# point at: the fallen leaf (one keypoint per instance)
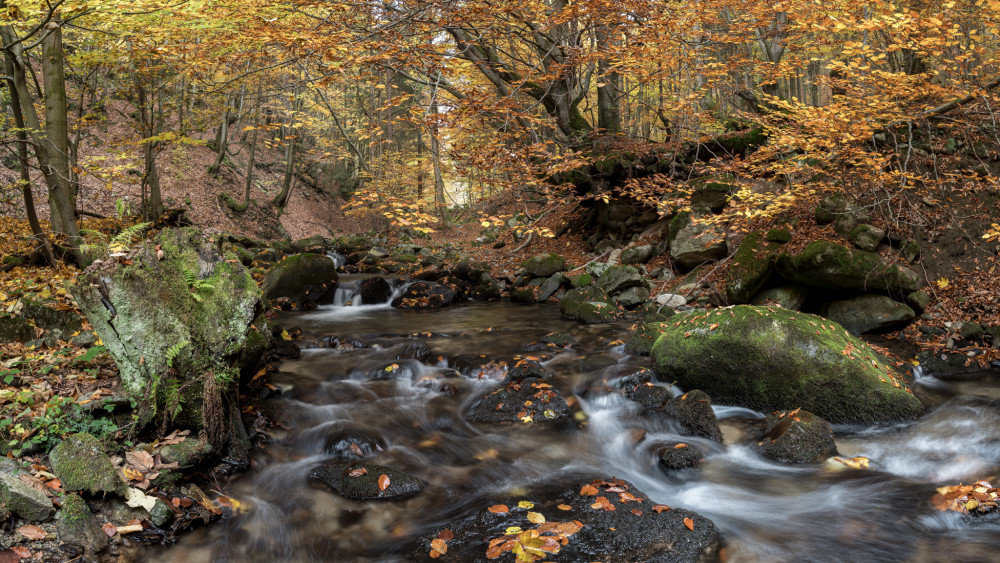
(439, 545)
(109, 529)
(21, 552)
(536, 518)
(689, 523)
(564, 507)
(588, 491)
(357, 472)
(526, 504)
(32, 532)
(383, 482)
(9, 556)
(499, 509)
(658, 508)
(446, 534)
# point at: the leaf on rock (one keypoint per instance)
(383, 482)
(33, 533)
(658, 508)
(536, 518)
(588, 491)
(499, 509)
(357, 472)
(689, 523)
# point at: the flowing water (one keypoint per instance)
(765, 510)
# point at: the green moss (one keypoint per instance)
(828, 265)
(752, 264)
(583, 280)
(677, 224)
(768, 359)
(780, 236)
(82, 465)
(641, 343)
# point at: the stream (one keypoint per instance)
(766, 511)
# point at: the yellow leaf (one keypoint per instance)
(285, 335)
(513, 530)
(526, 504)
(536, 518)
(943, 283)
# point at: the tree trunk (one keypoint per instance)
(230, 202)
(62, 200)
(608, 90)
(439, 203)
(222, 141)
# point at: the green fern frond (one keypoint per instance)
(173, 351)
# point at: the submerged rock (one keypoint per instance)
(676, 457)
(771, 359)
(796, 436)
(367, 481)
(425, 295)
(639, 387)
(599, 520)
(352, 442)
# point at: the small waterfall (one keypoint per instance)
(338, 259)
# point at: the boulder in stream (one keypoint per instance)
(600, 520)
(305, 279)
(375, 290)
(524, 402)
(796, 436)
(425, 295)
(367, 481)
(678, 456)
(589, 305)
(772, 359)
(693, 410)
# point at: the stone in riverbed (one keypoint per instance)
(693, 410)
(544, 265)
(867, 313)
(590, 305)
(678, 456)
(352, 442)
(361, 481)
(752, 264)
(521, 402)
(770, 359)
(796, 436)
(425, 295)
(375, 290)
(17, 497)
(619, 524)
(639, 387)
(306, 279)
(75, 524)
(790, 297)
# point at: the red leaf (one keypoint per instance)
(383, 482)
(689, 523)
(446, 534)
(32, 532)
(499, 509)
(658, 508)
(359, 472)
(21, 552)
(109, 529)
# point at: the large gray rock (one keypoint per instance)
(790, 297)
(638, 254)
(544, 265)
(828, 265)
(177, 318)
(619, 278)
(17, 497)
(866, 313)
(75, 524)
(81, 464)
(15, 329)
(693, 243)
(50, 318)
(589, 305)
(771, 359)
(306, 279)
(866, 237)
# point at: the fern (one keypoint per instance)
(173, 351)
(122, 240)
(172, 398)
(195, 284)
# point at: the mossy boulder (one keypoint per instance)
(50, 318)
(75, 524)
(866, 237)
(15, 329)
(641, 343)
(305, 279)
(830, 208)
(693, 242)
(779, 235)
(17, 497)
(589, 305)
(544, 265)
(364, 481)
(796, 436)
(81, 464)
(771, 359)
(713, 192)
(619, 278)
(790, 297)
(315, 243)
(867, 313)
(828, 265)
(638, 254)
(752, 264)
(176, 316)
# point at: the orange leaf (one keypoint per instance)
(564, 507)
(446, 534)
(32, 532)
(359, 472)
(588, 491)
(689, 523)
(658, 508)
(21, 552)
(109, 529)
(439, 545)
(499, 509)
(383, 482)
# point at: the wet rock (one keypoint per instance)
(425, 295)
(544, 265)
(770, 359)
(416, 350)
(866, 237)
(524, 294)
(529, 369)
(867, 313)
(790, 297)
(375, 290)
(693, 410)
(17, 497)
(81, 464)
(559, 339)
(15, 329)
(919, 300)
(550, 286)
(314, 243)
(361, 481)
(679, 456)
(590, 305)
(632, 297)
(191, 451)
(528, 402)
(582, 280)
(752, 264)
(952, 366)
(828, 265)
(471, 271)
(352, 442)
(693, 243)
(619, 524)
(75, 524)
(971, 331)
(638, 254)
(305, 279)
(796, 436)
(486, 289)
(639, 387)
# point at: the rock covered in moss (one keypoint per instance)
(751, 266)
(77, 525)
(616, 279)
(828, 265)
(771, 359)
(641, 343)
(81, 464)
(544, 265)
(693, 243)
(17, 497)
(181, 305)
(830, 208)
(521, 402)
(50, 318)
(790, 297)
(367, 481)
(638, 254)
(15, 329)
(867, 313)
(866, 237)
(796, 436)
(779, 235)
(306, 279)
(693, 410)
(589, 305)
